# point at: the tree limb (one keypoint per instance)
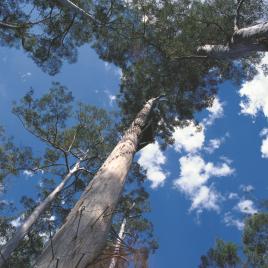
(78, 9)
(236, 20)
(244, 42)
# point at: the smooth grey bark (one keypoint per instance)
(244, 41)
(83, 236)
(121, 236)
(119, 239)
(22, 230)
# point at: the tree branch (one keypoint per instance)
(81, 11)
(236, 20)
(244, 42)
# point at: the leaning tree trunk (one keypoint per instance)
(24, 229)
(83, 236)
(244, 41)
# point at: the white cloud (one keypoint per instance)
(246, 188)
(206, 198)
(107, 66)
(110, 67)
(28, 173)
(255, 100)
(110, 96)
(194, 175)
(118, 72)
(213, 145)
(18, 221)
(189, 138)
(233, 196)
(151, 158)
(25, 76)
(255, 94)
(229, 220)
(216, 111)
(264, 145)
(246, 207)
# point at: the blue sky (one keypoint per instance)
(201, 188)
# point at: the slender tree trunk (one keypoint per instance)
(244, 41)
(120, 238)
(83, 236)
(21, 231)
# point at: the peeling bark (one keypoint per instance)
(244, 42)
(83, 236)
(23, 230)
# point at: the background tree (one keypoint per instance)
(227, 254)
(255, 240)
(67, 137)
(73, 151)
(223, 255)
(161, 57)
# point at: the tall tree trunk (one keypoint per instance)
(13, 243)
(83, 236)
(244, 41)
(119, 240)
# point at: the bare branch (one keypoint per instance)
(237, 16)
(78, 9)
(86, 170)
(25, 24)
(73, 140)
(11, 25)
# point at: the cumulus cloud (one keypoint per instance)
(215, 112)
(151, 159)
(246, 206)
(229, 220)
(28, 173)
(264, 145)
(206, 198)
(194, 175)
(255, 100)
(213, 145)
(255, 94)
(189, 138)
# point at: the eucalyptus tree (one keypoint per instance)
(252, 253)
(255, 240)
(131, 239)
(179, 49)
(136, 245)
(51, 31)
(166, 78)
(223, 255)
(76, 143)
